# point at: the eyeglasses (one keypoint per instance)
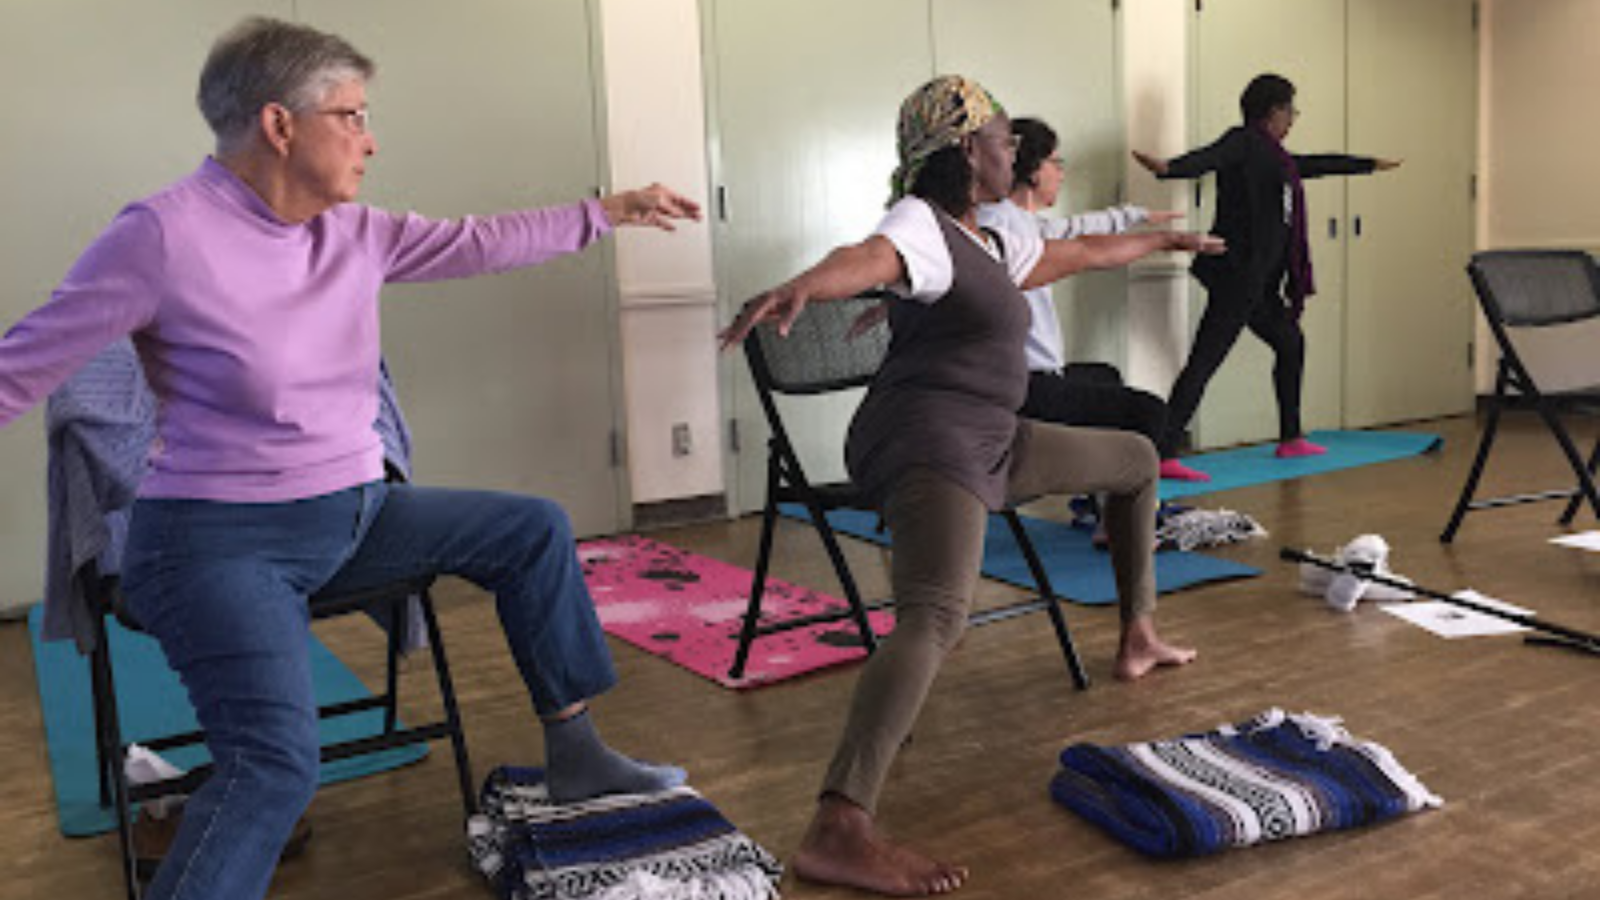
(1012, 142)
(358, 120)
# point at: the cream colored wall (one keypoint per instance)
(1539, 142)
(656, 123)
(1155, 86)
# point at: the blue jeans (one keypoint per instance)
(223, 588)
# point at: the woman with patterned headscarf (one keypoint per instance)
(937, 444)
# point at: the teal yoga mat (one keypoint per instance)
(1246, 466)
(153, 703)
(1077, 571)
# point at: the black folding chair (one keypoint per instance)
(817, 359)
(119, 793)
(1532, 289)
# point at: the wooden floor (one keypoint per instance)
(1504, 732)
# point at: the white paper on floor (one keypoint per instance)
(1450, 621)
(1586, 540)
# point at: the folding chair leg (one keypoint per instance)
(758, 582)
(1585, 488)
(1470, 488)
(858, 609)
(1047, 595)
(113, 758)
(399, 628)
(452, 711)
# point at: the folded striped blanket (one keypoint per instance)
(1272, 777)
(671, 845)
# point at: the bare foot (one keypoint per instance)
(844, 846)
(1142, 650)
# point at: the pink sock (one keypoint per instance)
(1299, 447)
(1177, 471)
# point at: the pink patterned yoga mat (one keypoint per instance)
(688, 608)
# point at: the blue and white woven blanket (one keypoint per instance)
(1275, 776)
(671, 845)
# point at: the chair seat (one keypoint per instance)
(402, 597)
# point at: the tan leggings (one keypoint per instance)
(938, 529)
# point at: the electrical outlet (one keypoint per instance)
(682, 440)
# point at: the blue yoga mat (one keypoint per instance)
(152, 703)
(1077, 571)
(1256, 465)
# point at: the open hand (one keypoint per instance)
(1154, 165)
(1198, 242)
(655, 206)
(779, 304)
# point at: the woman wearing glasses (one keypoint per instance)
(251, 291)
(1262, 282)
(1036, 186)
(937, 444)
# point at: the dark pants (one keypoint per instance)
(1087, 402)
(1229, 312)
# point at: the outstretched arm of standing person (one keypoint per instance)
(1318, 165)
(843, 273)
(1230, 149)
(1068, 257)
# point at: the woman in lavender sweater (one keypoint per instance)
(250, 289)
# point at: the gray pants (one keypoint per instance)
(938, 529)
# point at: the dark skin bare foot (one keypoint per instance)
(844, 846)
(1143, 650)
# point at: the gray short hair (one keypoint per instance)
(261, 61)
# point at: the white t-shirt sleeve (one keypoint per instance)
(1019, 236)
(911, 227)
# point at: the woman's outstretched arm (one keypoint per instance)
(843, 273)
(1068, 257)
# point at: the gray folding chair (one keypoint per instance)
(817, 359)
(1523, 289)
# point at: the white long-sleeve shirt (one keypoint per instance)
(1046, 346)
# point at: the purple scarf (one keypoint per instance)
(1301, 283)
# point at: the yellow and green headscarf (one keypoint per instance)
(937, 115)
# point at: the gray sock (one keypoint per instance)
(579, 765)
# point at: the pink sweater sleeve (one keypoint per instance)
(419, 249)
(112, 290)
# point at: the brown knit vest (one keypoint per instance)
(948, 392)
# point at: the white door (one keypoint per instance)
(804, 116)
(1409, 312)
(1303, 41)
(510, 381)
(1056, 60)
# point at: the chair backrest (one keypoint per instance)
(1536, 288)
(816, 357)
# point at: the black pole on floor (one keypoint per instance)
(1549, 632)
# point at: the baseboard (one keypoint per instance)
(679, 511)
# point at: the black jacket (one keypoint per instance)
(1250, 205)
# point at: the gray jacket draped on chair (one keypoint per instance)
(100, 425)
